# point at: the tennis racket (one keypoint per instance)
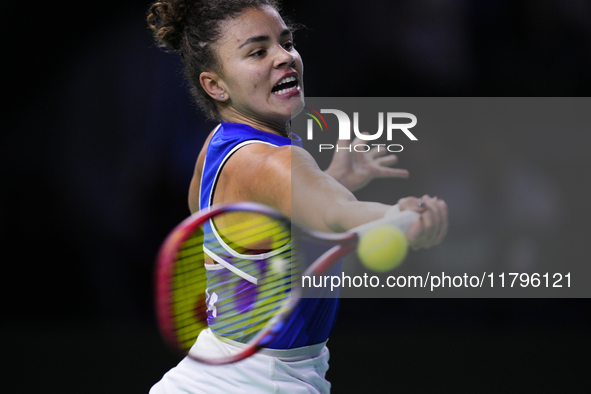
(235, 268)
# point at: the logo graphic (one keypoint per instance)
(390, 119)
(211, 300)
(314, 116)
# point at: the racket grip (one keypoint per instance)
(402, 220)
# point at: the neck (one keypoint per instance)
(274, 127)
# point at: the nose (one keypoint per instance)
(284, 58)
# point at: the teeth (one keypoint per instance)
(283, 91)
(286, 80)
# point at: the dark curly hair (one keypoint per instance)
(191, 28)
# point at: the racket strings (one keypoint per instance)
(244, 308)
(258, 235)
(188, 289)
(231, 306)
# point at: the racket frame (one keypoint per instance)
(344, 244)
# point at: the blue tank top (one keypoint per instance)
(314, 318)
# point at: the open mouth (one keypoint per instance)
(286, 85)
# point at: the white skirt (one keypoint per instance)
(291, 371)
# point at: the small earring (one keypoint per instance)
(221, 96)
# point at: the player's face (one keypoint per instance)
(261, 71)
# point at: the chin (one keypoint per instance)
(297, 105)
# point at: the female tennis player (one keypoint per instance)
(244, 71)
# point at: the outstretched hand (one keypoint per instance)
(354, 169)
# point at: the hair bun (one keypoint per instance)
(167, 21)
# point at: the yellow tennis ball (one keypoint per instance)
(382, 248)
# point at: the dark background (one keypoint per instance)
(99, 141)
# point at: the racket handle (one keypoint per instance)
(402, 220)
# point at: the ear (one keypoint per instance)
(213, 85)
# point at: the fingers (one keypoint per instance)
(386, 161)
(411, 203)
(377, 150)
(386, 172)
(431, 221)
(413, 234)
(384, 168)
(434, 221)
(355, 169)
(431, 227)
(443, 221)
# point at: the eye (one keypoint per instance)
(259, 53)
(289, 45)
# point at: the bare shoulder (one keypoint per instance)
(260, 173)
(261, 158)
(274, 160)
(256, 172)
(266, 159)
(267, 174)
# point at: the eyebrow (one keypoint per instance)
(250, 40)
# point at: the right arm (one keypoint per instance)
(288, 179)
(318, 201)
